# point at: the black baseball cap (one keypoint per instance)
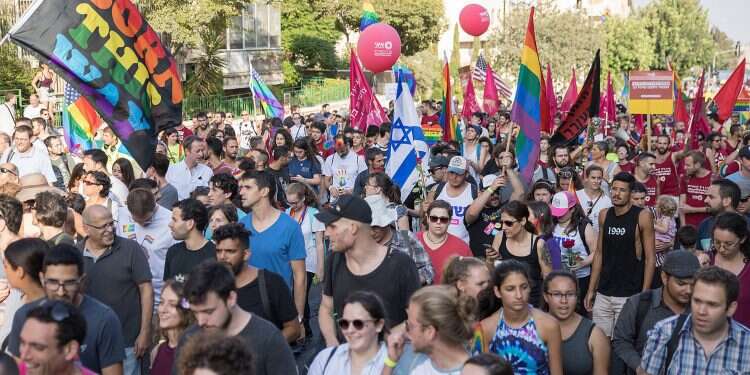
(347, 206)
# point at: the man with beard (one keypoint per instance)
(665, 170)
(693, 208)
(723, 196)
(231, 149)
(375, 163)
(484, 212)
(211, 292)
(61, 163)
(471, 150)
(259, 291)
(645, 309)
(560, 158)
(624, 259)
(592, 198)
(341, 168)
(644, 174)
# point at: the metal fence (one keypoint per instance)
(317, 91)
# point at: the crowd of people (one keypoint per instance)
(248, 243)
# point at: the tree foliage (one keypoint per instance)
(427, 69)
(15, 74)
(680, 29)
(308, 39)
(419, 22)
(726, 50)
(207, 77)
(627, 47)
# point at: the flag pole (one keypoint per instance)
(648, 132)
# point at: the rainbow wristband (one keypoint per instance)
(389, 362)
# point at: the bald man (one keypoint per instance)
(117, 274)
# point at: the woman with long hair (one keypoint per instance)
(585, 347)
(440, 245)
(541, 217)
(75, 178)
(175, 151)
(575, 239)
(123, 170)
(174, 318)
(731, 251)
(22, 264)
(517, 240)
(364, 325)
(304, 166)
(282, 138)
(468, 274)
(380, 184)
(526, 337)
(42, 82)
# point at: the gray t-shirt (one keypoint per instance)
(167, 196)
(103, 345)
(741, 181)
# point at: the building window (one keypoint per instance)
(259, 26)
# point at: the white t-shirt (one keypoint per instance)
(34, 160)
(156, 238)
(298, 131)
(7, 119)
(186, 180)
(344, 170)
(310, 225)
(592, 207)
(412, 363)
(578, 249)
(30, 111)
(459, 205)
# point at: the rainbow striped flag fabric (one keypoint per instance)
(80, 121)
(447, 121)
(530, 109)
(742, 106)
(432, 133)
(269, 103)
(369, 17)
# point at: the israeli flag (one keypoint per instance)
(407, 146)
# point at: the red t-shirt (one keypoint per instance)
(430, 119)
(184, 133)
(650, 191)
(695, 190)
(628, 167)
(666, 172)
(453, 246)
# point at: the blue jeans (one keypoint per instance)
(132, 364)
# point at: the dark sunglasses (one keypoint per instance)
(6, 170)
(441, 219)
(565, 174)
(358, 324)
(507, 223)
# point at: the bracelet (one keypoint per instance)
(491, 190)
(389, 362)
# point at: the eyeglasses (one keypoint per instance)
(565, 174)
(68, 285)
(727, 245)
(559, 296)
(507, 223)
(103, 226)
(358, 324)
(441, 219)
(89, 183)
(6, 170)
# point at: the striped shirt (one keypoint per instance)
(729, 356)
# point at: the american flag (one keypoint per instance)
(480, 74)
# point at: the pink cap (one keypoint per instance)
(562, 202)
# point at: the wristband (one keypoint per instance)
(491, 190)
(389, 362)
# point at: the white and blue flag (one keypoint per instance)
(407, 144)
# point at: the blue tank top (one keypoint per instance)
(522, 347)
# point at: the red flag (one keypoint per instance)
(365, 109)
(570, 96)
(490, 103)
(727, 95)
(470, 101)
(699, 123)
(607, 108)
(549, 126)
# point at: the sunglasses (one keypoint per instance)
(507, 223)
(441, 219)
(6, 170)
(358, 324)
(565, 174)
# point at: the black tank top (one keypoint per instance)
(535, 271)
(622, 271)
(577, 358)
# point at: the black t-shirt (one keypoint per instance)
(281, 307)
(394, 280)
(482, 231)
(180, 261)
(282, 179)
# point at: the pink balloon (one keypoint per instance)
(379, 47)
(474, 19)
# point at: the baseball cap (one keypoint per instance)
(681, 264)
(457, 165)
(562, 202)
(438, 161)
(347, 206)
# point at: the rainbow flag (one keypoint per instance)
(80, 121)
(447, 120)
(269, 103)
(742, 106)
(369, 17)
(432, 133)
(530, 109)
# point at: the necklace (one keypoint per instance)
(427, 236)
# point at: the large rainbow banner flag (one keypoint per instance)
(110, 55)
(268, 102)
(530, 109)
(80, 121)
(447, 120)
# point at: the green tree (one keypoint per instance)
(207, 77)
(726, 50)
(680, 31)
(419, 22)
(15, 74)
(456, 60)
(308, 40)
(627, 47)
(564, 39)
(427, 70)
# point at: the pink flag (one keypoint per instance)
(549, 127)
(364, 106)
(607, 109)
(470, 101)
(699, 123)
(570, 96)
(491, 100)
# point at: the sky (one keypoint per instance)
(730, 16)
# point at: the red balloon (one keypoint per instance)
(474, 19)
(379, 47)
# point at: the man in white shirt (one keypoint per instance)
(191, 172)
(147, 223)
(34, 109)
(592, 197)
(96, 160)
(341, 168)
(26, 158)
(8, 114)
